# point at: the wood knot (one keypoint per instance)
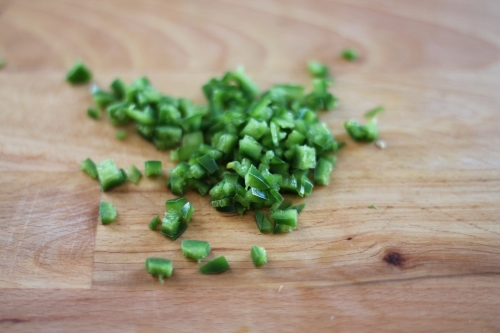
(394, 258)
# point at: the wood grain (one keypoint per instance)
(48, 230)
(426, 260)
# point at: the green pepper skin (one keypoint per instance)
(195, 249)
(163, 268)
(258, 255)
(362, 133)
(216, 266)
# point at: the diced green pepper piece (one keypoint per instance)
(79, 74)
(276, 195)
(299, 208)
(282, 228)
(88, 166)
(187, 212)
(169, 115)
(256, 195)
(256, 129)
(207, 162)
(143, 117)
(195, 249)
(305, 186)
(170, 223)
(194, 139)
(220, 203)
(124, 174)
(107, 211)
(275, 133)
(133, 174)
(240, 168)
(178, 179)
(240, 209)
(254, 178)
(200, 185)
(166, 137)
(263, 223)
(109, 175)
(175, 204)
(118, 87)
(197, 171)
(251, 148)
(146, 131)
(121, 134)
(246, 83)
(227, 142)
(153, 225)
(362, 133)
(117, 113)
(102, 99)
(258, 255)
(182, 227)
(317, 69)
(231, 178)
(285, 204)
(322, 172)
(93, 113)
(285, 217)
(153, 168)
(304, 157)
(294, 138)
(288, 182)
(216, 266)
(261, 111)
(349, 54)
(162, 268)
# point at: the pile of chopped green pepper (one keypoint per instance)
(244, 148)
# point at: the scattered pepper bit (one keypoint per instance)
(216, 266)
(133, 174)
(153, 168)
(108, 212)
(350, 54)
(153, 225)
(79, 74)
(162, 268)
(195, 249)
(121, 134)
(88, 166)
(258, 255)
(93, 113)
(364, 133)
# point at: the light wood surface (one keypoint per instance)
(428, 260)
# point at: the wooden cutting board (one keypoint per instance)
(427, 260)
